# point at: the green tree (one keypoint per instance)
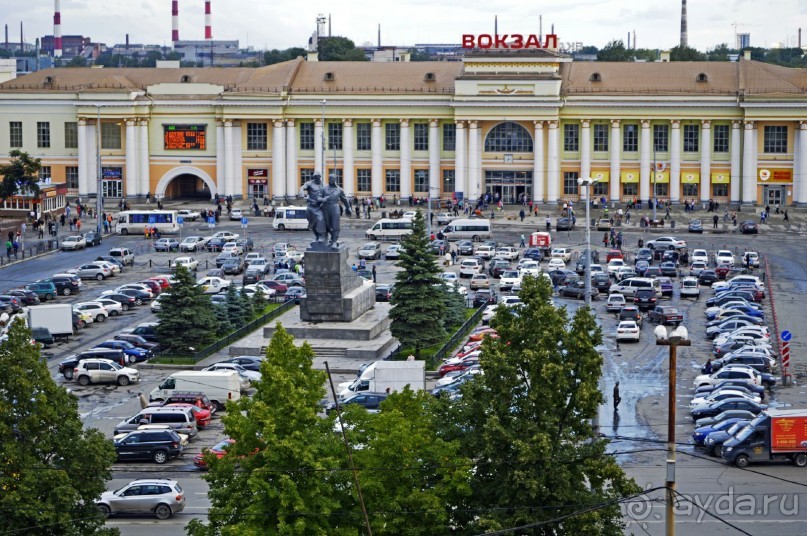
(589, 50)
(223, 323)
(285, 461)
(77, 61)
(719, 53)
(20, 175)
(684, 53)
(246, 304)
(615, 51)
(527, 422)
(187, 320)
(417, 297)
(51, 469)
(419, 55)
(454, 307)
(339, 49)
(235, 306)
(273, 56)
(259, 303)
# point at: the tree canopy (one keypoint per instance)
(278, 56)
(614, 51)
(20, 175)
(52, 470)
(339, 49)
(185, 310)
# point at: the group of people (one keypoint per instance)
(613, 238)
(13, 244)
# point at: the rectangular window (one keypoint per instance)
(691, 190)
(775, 140)
(256, 136)
(691, 134)
(15, 134)
(44, 173)
(449, 137)
(571, 138)
(71, 135)
(363, 136)
(393, 136)
(43, 135)
(336, 174)
(720, 190)
(629, 188)
(721, 138)
(570, 182)
(335, 136)
(71, 173)
(661, 138)
(662, 189)
(393, 182)
(306, 136)
(422, 180)
(449, 181)
(306, 174)
(110, 136)
(600, 189)
(630, 138)
(600, 138)
(421, 136)
(364, 178)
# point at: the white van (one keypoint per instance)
(474, 229)
(389, 228)
(218, 386)
(628, 287)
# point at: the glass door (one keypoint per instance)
(112, 188)
(774, 195)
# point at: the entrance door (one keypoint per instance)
(511, 186)
(112, 188)
(258, 190)
(775, 195)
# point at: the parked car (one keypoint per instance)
(708, 277)
(215, 244)
(370, 251)
(695, 226)
(218, 450)
(578, 290)
(665, 314)
(93, 271)
(479, 281)
(188, 215)
(92, 239)
(97, 310)
(72, 243)
(630, 312)
(367, 400)
(90, 371)
(192, 243)
(166, 244)
(535, 254)
(564, 224)
(465, 247)
(628, 330)
(393, 251)
(383, 293)
(129, 349)
(666, 242)
(25, 296)
(484, 296)
(749, 227)
(233, 265)
(615, 303)
(188, 262)
(156, 445)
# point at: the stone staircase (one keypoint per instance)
(324, 352)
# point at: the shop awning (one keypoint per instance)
(600, 176)
(721, 177)
(662, 177)
(690, 177)
(631, 176)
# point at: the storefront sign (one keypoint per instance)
(721, 177)
(112, 173)
(629, 177)
(509, 41)
(263, 172)
(600, 176)
(776, 175)
(690, 177)
(662, 177)
(258, 181)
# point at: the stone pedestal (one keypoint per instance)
(334, 293)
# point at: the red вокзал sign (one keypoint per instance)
(517, 41)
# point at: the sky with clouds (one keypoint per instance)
(287, 23)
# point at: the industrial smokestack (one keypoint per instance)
(6, 36)
(495, 25)
(628, 40)
(57, 29)
(634, 39)
(540, 27)
(684, 40)
(329, 25)
(22, 38)
(174, 21)
(127, 41)
(208, 21)
(379, 36)
(799, 37)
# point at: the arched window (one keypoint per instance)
(508, 138)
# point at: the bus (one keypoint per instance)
(390, 228)
(472, 229)
(135, 221)
(290, 218)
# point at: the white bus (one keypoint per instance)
(389, 228)
(290, 218)
(135, 221)
(472, 229)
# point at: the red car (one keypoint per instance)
(445, 368)
(162, 280)
(614, 254)
(155, 286)
(201, 415)
(218, 450)
(277, 286)
(481, 334)
(721, 270)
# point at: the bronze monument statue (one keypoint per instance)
(332, 196)
(322, 210)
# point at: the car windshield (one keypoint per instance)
(115, 365)
(745, 433)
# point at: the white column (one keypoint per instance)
(460, 159)
(376, 166)
(473, 162)
(538, 165)
(706, 161)
(645, 144)
(796, 167)
(736, 155)
(616, 155)
(434, 159)
(143, 157)
(800, 180)
(221, 168)
(749, 190)
(348, 167)
(480, 176)
(83, 178)
(292, 181)
(92, 158)
(675, 162)
(406, 160)
(229, 152)
(585, 148)
(553, 164)
(238, 176)
(278, 159)
(131, 184)
(318, 144)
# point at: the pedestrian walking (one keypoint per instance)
(605, 240)
(786, 218)
(521, 214)
(522, 243)
(548, 223)
(617, 398)
(374, 274)
(715, 219)
(148, 197)
(9, 249)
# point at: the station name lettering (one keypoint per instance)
(511, 41)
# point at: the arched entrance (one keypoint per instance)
(186, 182)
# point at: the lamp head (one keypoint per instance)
(679, 334)
(660, 332)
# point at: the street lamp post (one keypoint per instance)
(587, 183)
(678, 337)
(99, 197)
(322, 171)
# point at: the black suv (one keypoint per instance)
(485, 297)
(645, 299)
(601, 282)
(644, 254)
(498, 266)
(157, 445)
(760, 363)
(66, 366)
(65, 285)
(148, 331)
(465, 247)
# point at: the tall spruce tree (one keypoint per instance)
(418, 298)
(187, 320)
(455, 307)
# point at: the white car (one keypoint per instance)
(249, 375)
(444, 218)
(409, 214)
(666, 242)
(562, 253)
(750, 279)
(697, 267)
(266, 291)
(213, 285)
(730, 305)
(728, 372)
(486, 252)
(232, 247)
(752, 258)
(628, 330)
(155, 303)
(725, 256)
(393, 251)
(506, 252)
(449, 277)
(190, 215)
(509, 279)
(614, 265)
(98, 311)
(226, 235)
(597, 268)
(714, 396)
(254, 256)
(555, 263)
(456, 287)
(114, 269)
(531, 268)
(188, 262)
(236, 214)
(690, 287)
(280, 248)
(615, 303)
(113, 308)
(470, 267)
(699, 255)
(193, 243)
(72, 243)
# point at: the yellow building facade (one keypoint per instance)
(520, 124)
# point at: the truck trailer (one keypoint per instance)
(776, 435)
(382, 375)
(58, 319)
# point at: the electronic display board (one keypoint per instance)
(184, 137)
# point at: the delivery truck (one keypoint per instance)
(541, 240)
(58, 319)
(382, 375)
(218, 386)
(776, 435)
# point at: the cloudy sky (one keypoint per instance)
(285, 23)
